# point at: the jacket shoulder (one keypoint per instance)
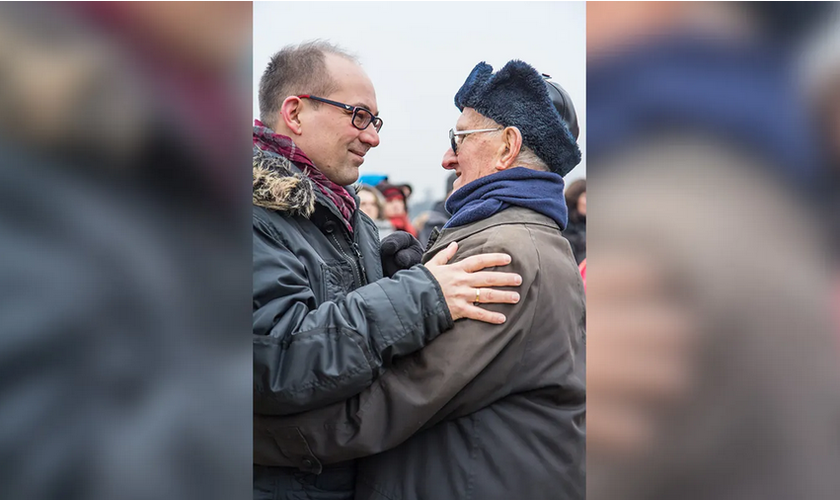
(513, 239)
(530, 245)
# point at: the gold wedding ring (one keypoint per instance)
(477, 296)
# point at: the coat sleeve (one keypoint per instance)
(307, 357)
(418, 391)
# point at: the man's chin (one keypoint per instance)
(350, 174)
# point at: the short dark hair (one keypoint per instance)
(295, 70)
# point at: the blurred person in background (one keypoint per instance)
(712, 371)
(435, 218)
(490, 412)
(575, 232)
(326, 323)
(396, 206)
(372, 204)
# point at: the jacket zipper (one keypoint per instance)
(353, 263)
(361, 263)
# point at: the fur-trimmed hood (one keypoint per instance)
(278, 185)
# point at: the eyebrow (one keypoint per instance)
(363, 105)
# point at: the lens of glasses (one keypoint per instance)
(452, 141)
(361, 118)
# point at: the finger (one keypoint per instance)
(491, 296)
(473, 312)
(492, 278)
(479, 262)
(442, 257)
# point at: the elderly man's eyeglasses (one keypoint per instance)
(453, 134)
(362, 118)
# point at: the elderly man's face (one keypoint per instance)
(328, 136)
(476, 152)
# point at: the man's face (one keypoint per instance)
(476, 156)
(328, 136)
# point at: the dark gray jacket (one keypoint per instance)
(485, 412)
(325, 321)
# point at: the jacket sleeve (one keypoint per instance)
(307, 357)
(418, 391)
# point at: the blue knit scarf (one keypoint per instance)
(522, 187)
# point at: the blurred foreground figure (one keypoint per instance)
(124, 372)
(712, 366)
(820, 72)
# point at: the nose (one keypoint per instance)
(450, 160)
(370, 136)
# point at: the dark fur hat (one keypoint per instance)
(516, 96)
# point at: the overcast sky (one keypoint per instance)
(418, 55)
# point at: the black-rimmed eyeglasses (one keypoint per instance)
(453, 134)
(362, 118)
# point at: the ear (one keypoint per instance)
(509, 149)
(290, 114)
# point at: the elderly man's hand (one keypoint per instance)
(464, 282)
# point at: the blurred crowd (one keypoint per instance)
(125, 250)
(387, 205)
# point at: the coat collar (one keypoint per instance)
(279, 185)
(512, 215)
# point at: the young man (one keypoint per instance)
(325, 322)
(486, 411)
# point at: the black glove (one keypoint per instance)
(399, 250)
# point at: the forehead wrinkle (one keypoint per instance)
(469, 120)
(461, 124)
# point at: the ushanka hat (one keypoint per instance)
(517, 96)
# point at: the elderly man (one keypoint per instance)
(325, 321)
(487, 411)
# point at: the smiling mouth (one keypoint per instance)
(361, 156)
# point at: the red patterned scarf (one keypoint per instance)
(267, 140)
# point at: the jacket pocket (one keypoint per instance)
(338, 280)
